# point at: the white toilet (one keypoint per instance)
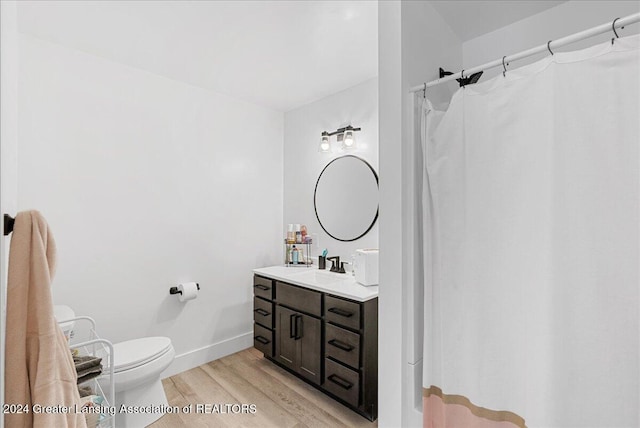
(138, 364)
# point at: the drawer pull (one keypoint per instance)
(262, 312)
(262, 287)
(341, 345)
(341, 312)
(342, 383)
(292, 325)
(298, 334)
(262, 340)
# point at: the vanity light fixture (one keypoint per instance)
(345, 137)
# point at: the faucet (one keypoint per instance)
(335, 262)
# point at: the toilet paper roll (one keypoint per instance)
(189, 291)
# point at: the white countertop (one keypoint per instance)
(338, 284)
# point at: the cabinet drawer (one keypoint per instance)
(299, 299)
(263, 312)
(263, 287)
(342, 312)
(342, 382)
(263, 340)
(343, 345)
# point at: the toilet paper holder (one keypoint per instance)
(174, 290)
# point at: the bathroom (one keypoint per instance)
(162, 148)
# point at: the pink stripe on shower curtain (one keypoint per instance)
(531, 242)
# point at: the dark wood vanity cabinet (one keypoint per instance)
(298, 343)
(330, 341)
(263, 319)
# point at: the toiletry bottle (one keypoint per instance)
(298, 234)
(303, 232)
(291, 237)
(294, 252)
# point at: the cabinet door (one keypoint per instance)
(286, 343)
(309, 336)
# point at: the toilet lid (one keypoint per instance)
(133, 353)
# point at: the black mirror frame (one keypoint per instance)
(316, 190)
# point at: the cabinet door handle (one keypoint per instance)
(262, 287)
(292, 326)
(262, 312)
(341, 312)
(298, 327)
(341, 345)
(262, 340)
(342, 383)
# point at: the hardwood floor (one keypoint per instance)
(281, 400)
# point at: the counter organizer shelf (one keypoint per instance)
(84, 339)
(304, 256)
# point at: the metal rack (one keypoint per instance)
(306, 253)
(92, 344)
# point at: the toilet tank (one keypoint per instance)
(61, 313)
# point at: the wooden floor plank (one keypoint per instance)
(306, 411)
(244, 392)
(282, 400)
(348, 416)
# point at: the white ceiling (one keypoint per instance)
(279, 54)
(472, 18)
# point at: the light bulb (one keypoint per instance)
(324, 143)
(349, 140)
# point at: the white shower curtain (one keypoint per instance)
(532, 246)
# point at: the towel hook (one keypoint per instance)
(8, 224)
(548, 47)
(504, 68)
(613, 28)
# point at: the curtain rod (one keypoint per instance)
(547, 47)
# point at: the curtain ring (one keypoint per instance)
(613, 28)
(504, 68)
(548, 47)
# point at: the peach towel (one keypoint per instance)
(39, 368)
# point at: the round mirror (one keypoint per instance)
(346, 198)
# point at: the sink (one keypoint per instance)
(319, 277)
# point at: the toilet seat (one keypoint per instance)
(137, 352)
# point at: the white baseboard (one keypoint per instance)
(197, 357)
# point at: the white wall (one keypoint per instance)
(147, 182)
(390, 329)
(414, 42)
(560, 21)
(427, 44)
(8, 151)
(356, 106)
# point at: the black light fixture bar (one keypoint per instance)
(341, 130)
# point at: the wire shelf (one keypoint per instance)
(89, 343)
